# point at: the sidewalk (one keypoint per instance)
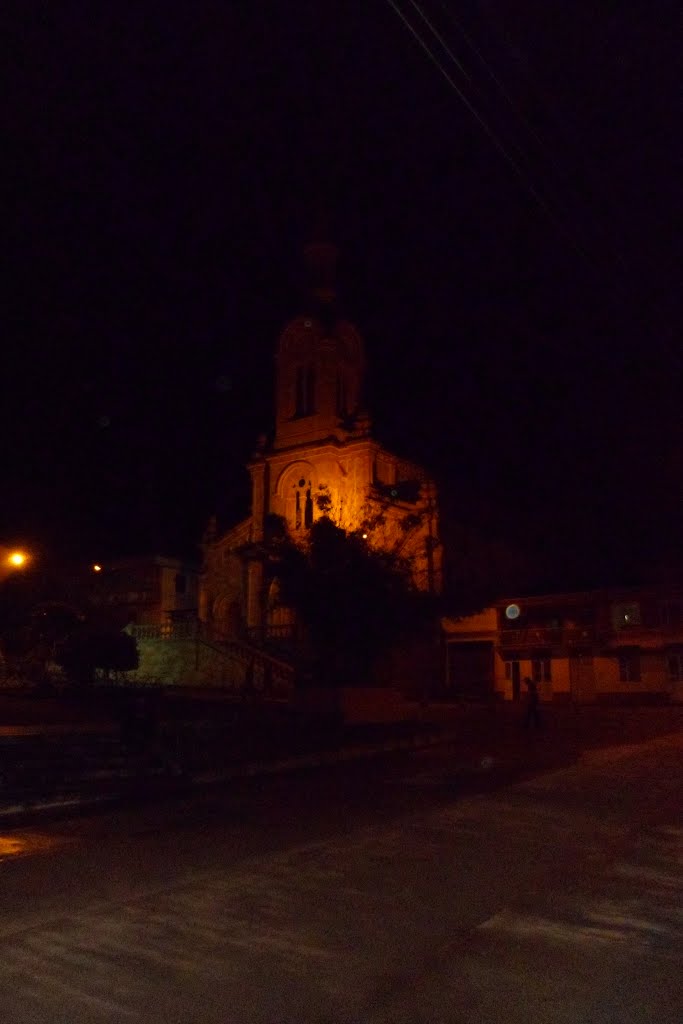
(80, 763)
(66, 767)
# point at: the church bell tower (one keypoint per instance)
(320, 362)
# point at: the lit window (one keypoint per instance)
(625, 615)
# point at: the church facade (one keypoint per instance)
(321, 460)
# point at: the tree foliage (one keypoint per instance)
(85, 652)
(355, 602)
(37, 631)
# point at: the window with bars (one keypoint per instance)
(541, 670)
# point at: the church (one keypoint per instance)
(321, 459)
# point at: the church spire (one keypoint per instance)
(320, 262)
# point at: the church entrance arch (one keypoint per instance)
(280, 617)
(227, 616)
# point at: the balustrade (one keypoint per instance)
(553, 636)
(261, 673)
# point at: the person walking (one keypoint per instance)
(532, 717)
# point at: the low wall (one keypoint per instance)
(187, 662)
(361, 704)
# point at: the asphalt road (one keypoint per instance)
(393, 890)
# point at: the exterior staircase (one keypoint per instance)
(186, 654)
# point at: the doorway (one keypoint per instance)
(582, 677)
(471, 671)
(512, 673)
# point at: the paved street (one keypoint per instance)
(378, 892)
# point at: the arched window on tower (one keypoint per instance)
(342, 400)
(300, 395)
(303, 505)
(304, 402)
(310, 390)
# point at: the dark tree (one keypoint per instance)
(87, 652)
(355, 602)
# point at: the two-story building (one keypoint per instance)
(602, 645)
(149, 590)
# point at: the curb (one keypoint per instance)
(14, 812)
(250, 769)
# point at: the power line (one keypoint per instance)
(605, 200)
(514, 106)
(440, 38)
(493, 137)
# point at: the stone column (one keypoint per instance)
(258, 498)
(255, 598)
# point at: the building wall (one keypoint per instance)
(653, 675)
(337, 474)
(179, 587)
(320, 372)
(341, 477)
(558, 687)
(142, 589)
(292, 485)
(480, 624)
(222, 603)
(561, 678)
(654, 678)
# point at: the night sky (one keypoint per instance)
(513, 267)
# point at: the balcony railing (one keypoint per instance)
(554, 636)
(263, 674)
(166, 631)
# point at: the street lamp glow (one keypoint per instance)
(97, 568)
(17, 559)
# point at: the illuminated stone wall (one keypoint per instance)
(223, 597)
(336, 475)
(319, 381)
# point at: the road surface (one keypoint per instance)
(378, 892)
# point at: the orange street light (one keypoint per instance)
(17, 559)
(97, 568)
